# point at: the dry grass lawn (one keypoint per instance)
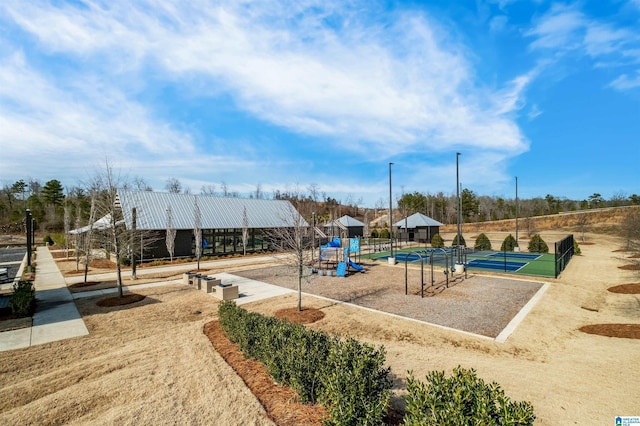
(150, 363)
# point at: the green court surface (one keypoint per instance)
(543, 265)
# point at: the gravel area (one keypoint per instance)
(478, 304)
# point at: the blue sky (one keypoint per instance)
(284, 95)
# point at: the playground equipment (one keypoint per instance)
(333, 255)
(434, 255)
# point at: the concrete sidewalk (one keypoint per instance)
(56, 316)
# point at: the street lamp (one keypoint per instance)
(517, 247)
(313, 236)
(392, 260)
(459, 210)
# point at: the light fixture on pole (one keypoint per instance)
(459, 254)
(392, 259)
(517, 247)
(313, 235)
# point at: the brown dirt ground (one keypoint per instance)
(150, 362)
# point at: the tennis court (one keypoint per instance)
(496, 265)
(538, 264)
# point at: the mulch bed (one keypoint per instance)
(630, 267)
(625, 331)
(280, 402)
(626, 289)
(305, 316)
(126, 299)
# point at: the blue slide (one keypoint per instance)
(356, 266)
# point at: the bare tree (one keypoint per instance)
(114, 235)
(259, 194)
(197, 230)
(293, 240)
(141, 185)
(171, 234)
(173, 185)
(314, 191)
(78, 234)
(88, 236)
(67, 225)
(245, 230)
(209, 189)
(224, 188)
(631, 228)
(583, 220)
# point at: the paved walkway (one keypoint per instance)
(56, 316)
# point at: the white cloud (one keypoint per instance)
(565, 28)
(67, 121)
(560, 28)
(351, 80)
(626, 82)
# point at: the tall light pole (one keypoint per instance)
(517, 214)
(313, 235)
(392, 259)
(459, 207)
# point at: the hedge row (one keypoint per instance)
(462, 399)
(345, 376)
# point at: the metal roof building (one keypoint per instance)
(216, 212)
(352, 227)
(222, 221)
(417, 220)
(418, 227)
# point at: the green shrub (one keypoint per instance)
(437, 241)
(374, 234)
(462, 399)
(508, 244)
(357, 386)
(22, 300)
(576, 248)
(125, 261)
(348, 377)
(537, 245)
(47, 240)
(462, 241)
(384, 233)
(58, 239)
(482, 242)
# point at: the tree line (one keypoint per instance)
(51, 201)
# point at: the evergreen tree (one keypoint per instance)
(482, 242)
(508, 244)
(462, 241)
(537, 245)
(437, 241)
(52, 192)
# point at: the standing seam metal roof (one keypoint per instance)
(417, 220)
(215, 212)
